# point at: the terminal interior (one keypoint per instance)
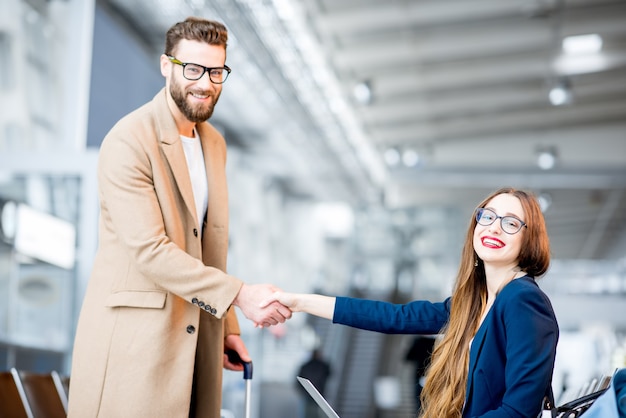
(361, 136)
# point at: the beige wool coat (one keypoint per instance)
(158, 301)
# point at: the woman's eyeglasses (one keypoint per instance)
(509, 224)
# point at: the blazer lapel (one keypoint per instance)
(476, 348)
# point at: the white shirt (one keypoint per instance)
(197, 174)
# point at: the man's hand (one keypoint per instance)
(249, 301)
(235, 343)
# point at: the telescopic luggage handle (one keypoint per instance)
(234, 358)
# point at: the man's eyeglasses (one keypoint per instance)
(194, 72)
(509, 224)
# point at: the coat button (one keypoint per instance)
(194, 300)
(195, 232)
(191, 329)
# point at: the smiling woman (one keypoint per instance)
(497, 353)
(497, 244)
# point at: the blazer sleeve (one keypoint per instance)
(417, 317)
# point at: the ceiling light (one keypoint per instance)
(410, 157)
(363, 93)
(392, 156)
(566, 64)
(546, 158)
(582, 44)
(561, 94)
(545, 200)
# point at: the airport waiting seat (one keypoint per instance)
(41, 396)
(62, 384)
(585, 398)
(11, 402)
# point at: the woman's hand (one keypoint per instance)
(289, 300)
(318, 305)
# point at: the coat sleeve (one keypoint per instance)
(417, 317)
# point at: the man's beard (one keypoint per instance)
(193, 114)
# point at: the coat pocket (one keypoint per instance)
(154, 299)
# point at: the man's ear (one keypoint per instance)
(165, 65)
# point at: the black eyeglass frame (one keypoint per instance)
(479, 212)
(204, 70)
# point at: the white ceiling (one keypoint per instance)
(464, 83)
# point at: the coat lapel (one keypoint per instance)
(178, 164)
(215, 231)
(173, 151)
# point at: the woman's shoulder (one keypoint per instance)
(523, 303)
(521, 284)
(521, 289)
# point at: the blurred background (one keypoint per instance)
(361, 134)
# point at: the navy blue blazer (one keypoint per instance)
(511, 356)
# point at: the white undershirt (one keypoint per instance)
(197, 174)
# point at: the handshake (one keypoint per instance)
(261, 305)
(266, 305)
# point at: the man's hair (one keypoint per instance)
(196, 29)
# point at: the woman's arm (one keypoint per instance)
(318, 305)
(418, 317)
